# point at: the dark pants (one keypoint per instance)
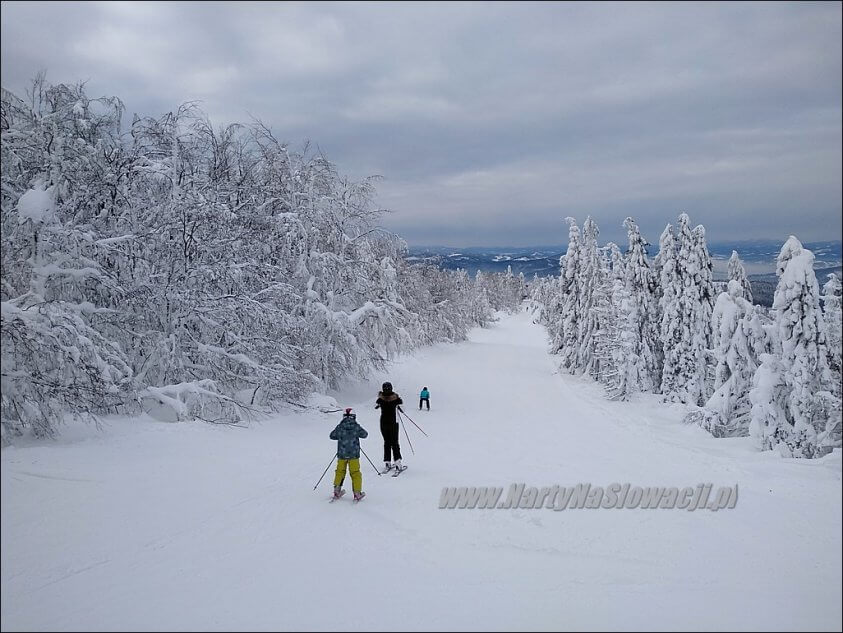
(389, 430)
(426, 401)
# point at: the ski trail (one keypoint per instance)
(209, 528)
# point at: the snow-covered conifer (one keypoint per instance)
(566, 323)
(643, 309)
(669, 303)
(799, 381)
(687, 297)
(736, 271)
(739, 340)
(832, 294)
(592, 306)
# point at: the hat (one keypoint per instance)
(347, 410)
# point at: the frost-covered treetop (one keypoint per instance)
(791, 248)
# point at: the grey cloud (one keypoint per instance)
(492, 122)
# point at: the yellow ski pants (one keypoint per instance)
(353, 469)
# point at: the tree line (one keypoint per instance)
(664, 326)
(208, 271)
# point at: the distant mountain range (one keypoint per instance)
(758, 256)
(530, 261)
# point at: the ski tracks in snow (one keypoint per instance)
(208, 528)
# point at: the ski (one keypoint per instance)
(399, 471)
(342, 494)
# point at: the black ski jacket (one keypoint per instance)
(387, 403)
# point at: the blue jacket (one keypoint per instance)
(348, 434)
(425, 393)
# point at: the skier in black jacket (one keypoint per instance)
(387, 402)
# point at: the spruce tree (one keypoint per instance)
(736, 271)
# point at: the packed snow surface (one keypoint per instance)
(149, 525)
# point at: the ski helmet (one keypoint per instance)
(348, 410)
(387, 387)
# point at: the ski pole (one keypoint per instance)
(326, 470)
(403, 426)
(370, 461)
(411, 420)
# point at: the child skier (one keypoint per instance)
(387, 402)
(348, 434)
(425, 398)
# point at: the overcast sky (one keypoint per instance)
(490, 123)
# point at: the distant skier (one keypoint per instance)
(348, 434)
(424, 397)
(387, 402)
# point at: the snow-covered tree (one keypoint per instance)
(739, 340)
(621, 367)
(642, 312)
(511, 290)
(502, 291)
(832, 295)
(705, 289)
(545, 295)
(687, 298)
(565, 324)
(57, 291)
(670, 307)
(592, 306)
(737, 273)
(522, 292)
(603, 368)
(794, 409)
(204, 271)
(769, 425)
